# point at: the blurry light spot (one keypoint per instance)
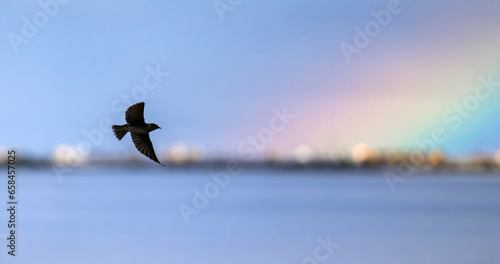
(363, 153)
(303, 153)
(436, 158)
(69, 155)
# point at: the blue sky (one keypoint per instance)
(226, 76)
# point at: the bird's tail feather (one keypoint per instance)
(120, 131)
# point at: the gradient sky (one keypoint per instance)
(226, 76)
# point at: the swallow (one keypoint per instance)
(139, 130)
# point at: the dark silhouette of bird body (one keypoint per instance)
(139, 130)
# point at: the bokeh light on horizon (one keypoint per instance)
(226, 77)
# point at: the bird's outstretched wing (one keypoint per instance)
(144, 145)
(135, 114)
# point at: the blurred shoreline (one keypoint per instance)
(401, 162)
(401, 165)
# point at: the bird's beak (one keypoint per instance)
(159, 127)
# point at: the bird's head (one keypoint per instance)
(153, 126)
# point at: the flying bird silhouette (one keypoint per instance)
(139, 130)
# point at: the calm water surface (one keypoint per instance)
(99, 215)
